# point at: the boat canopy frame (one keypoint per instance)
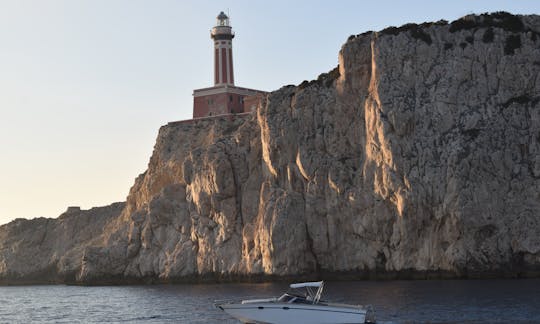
(313, 295)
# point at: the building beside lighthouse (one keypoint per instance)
(224, 97)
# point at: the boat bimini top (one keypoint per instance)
(313, 290)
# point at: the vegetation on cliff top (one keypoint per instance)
(501, 19)
(324, 79)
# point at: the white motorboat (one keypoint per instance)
(301, 304)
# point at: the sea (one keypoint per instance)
(433, 301)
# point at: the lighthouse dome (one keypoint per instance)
(222, 19)
(222, 16)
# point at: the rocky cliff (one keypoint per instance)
(46, 250)
(419, 154)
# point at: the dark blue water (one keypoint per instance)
(450, 301)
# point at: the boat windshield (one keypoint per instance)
(294, 299)
(285, 298)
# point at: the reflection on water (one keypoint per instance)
(447, 301)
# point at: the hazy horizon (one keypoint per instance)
(87, 84)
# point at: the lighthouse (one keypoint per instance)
(224, 97)
(222, 35)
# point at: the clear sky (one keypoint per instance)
(86, 84)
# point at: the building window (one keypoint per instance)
(230, 99)
(210, 102)
(240, 99)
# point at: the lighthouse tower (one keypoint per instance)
(224, 97)
(222, 35)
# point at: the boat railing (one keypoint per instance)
(259, 300)
(244, 300)
(325, 303)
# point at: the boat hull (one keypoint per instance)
(281, 313)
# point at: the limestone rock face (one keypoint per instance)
(420, 153)
(185, 215)
(50, 250)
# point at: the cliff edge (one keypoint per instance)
(418, 155)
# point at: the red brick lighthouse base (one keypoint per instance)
(224, 97)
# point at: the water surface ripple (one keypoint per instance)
(445, 301)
